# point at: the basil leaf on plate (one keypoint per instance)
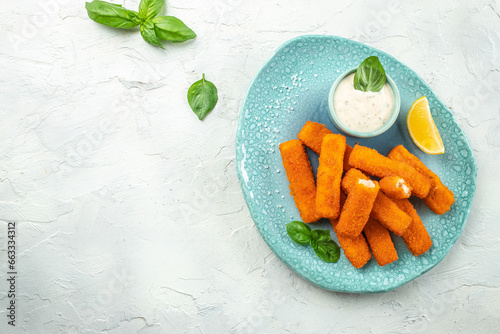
(202, 97)
(149, 9)
(370, 75)
(149, 35)
(112, 15)
(172, 29)
(318, 236)
(327, 251)
(299, 232)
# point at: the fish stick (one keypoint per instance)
(351, 178)
(387, 213)
(355, 249)
(440, 198)
(395, 187)
(357, 208)
(374, 163)
(416, 237)
(312, 135)
(329, 175)
(300, 175)
(380, 242)
(347, 154)
(384, 209)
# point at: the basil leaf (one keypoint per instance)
(148, 9)
(319, 236)
(370, 75)
(112, 15)
(202, 97)
(149, 35)
(327, 251)
(172, 29)
(299, 232)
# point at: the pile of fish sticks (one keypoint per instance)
(363, 193)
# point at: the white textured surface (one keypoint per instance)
(131, 218)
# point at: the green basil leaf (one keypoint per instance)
(370, 75)
(149, 9)
(112, 15)
(327, 251)
(299, 232)
(202, 97)
(172, 29)
(149, 35)
(319, 236)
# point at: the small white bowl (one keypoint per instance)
(350, 132)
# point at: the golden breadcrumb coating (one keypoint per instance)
(357, 208)
(416, 237)
(300, 175)
(312, 135)
(440, 198)
(395, 187)
(355, 249)
(384, 209)
(370, 161)
(380, 242)
(329, 175)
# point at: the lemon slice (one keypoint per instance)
(422, 129)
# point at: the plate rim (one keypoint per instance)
(245, 190)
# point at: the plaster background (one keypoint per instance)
(130, 214)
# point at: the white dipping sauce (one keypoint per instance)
(362, 111)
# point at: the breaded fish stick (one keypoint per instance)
(300, 175)
(347, 154)
(329, 176)
(440, 198)
(355, 249)
(374, 163)
(357, 208)
(312, 135)
(395, 187)
(380, 242)
(416, 237)
(351, 178)
(387, 213)
(384, 209)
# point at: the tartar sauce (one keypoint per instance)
(362, 111)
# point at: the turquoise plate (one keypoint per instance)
(291, 88)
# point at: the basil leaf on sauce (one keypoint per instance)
(299, 232)
(370, 75)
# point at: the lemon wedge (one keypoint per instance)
(422, 129)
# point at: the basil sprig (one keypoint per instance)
(153, 28)
(172, 29)
(324, 247)
(202, 97)
(112, 15)
(149, 9)
(299, 232)
(370, 75)
(149, 35)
